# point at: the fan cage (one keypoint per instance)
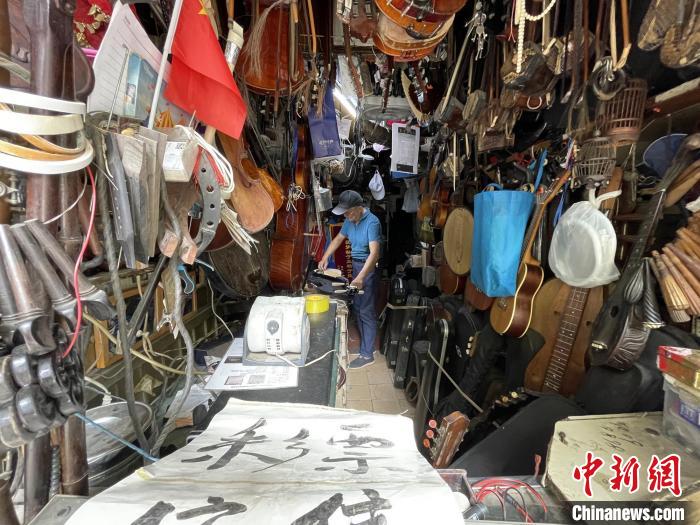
(622, 116)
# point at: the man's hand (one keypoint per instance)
(323, 264)
(358, 282)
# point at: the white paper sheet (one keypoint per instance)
(231, 374)
(124, 34)
(405, 144)
(274, 463)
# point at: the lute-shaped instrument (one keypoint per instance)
(619, 336)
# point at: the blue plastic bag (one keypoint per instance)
(324, 128)
(500, 220)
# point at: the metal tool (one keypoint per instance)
(32, 322)
(92, 297)
(61, 300)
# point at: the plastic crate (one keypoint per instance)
(681, 420)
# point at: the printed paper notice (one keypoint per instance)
(405, 142)
(231, 374)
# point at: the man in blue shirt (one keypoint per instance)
(364, 231)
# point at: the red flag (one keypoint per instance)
(200, 79)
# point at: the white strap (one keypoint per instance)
(20, 98)
(48, 168)
(27, 124)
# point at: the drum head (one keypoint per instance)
(457, 240)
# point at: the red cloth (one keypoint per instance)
(200, 80)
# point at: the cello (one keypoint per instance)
(288, 256)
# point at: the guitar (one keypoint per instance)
(563, 316)
(619, 335)
(511, 315)
(442, 443)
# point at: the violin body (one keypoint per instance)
(288, 257)
(415, 22)
(441, 206)
(250, 200)
(391, 39)
(274, 56)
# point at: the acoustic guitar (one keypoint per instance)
(564, 315)
(442, 443)
(511, 315)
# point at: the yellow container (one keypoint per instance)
(317, 304)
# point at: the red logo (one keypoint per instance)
(587, 471)
(665, 474)
(626, 474)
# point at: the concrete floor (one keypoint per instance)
(371, 388)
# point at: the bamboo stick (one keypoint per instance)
(683, 269)
(677, 315)
(693, 299)
(689, 262)
(687, 236)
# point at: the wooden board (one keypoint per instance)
(457, 240)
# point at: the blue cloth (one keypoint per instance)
(361, 234)
(363, 306)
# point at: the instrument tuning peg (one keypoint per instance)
(429, 434)
(426, 443)
(432, 424)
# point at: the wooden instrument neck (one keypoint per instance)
(566, 337)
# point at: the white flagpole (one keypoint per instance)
(163, 61)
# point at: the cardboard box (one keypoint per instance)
(681, 363)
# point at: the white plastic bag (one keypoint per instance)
(582, 252)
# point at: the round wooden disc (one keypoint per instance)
(457, 240)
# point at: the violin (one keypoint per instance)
(420, 19)
(266, 54)
(252, 202)
(392, 39)
(288, 257)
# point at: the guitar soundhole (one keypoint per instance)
(614, 311)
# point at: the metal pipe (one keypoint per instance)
(74, 466)
(69, 232)
(37, 476)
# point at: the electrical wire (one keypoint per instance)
(111, 434)
(305, 364)
(69, 208)
(214, 310)
(136, 353)
(454, 383)
(79, 260)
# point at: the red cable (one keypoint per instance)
(76, 270)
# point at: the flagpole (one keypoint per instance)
(164, 60)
